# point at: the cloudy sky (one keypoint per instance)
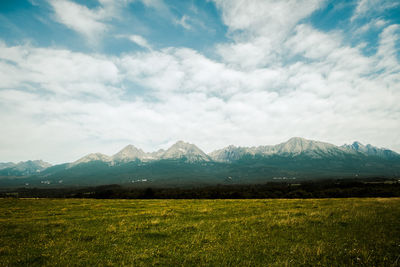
(93, 76)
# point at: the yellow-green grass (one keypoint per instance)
(326, 232)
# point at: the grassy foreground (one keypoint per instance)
(328, 232)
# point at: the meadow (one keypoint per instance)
(275, 232)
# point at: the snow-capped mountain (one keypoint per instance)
(185, 150)
(129, 153)
(370, 150)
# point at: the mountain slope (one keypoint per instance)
(230, 153)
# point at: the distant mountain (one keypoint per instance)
(370, 150)
(25, 168)
(294, 147)
(186, 151)
(184, 164)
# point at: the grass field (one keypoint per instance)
(327, 232)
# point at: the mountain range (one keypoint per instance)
(180, 150)
(191, 153)
(185, 163)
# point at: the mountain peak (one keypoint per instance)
(297, 140)
(92, 157)
(186, 150)
(129, 147)
(182, 146)
(181, 143)
(129, 153)
(357, 144)
(299, 145)
(229, 154)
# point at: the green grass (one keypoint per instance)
(326, 232)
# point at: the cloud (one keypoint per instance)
(258, 28)
(88, 22)
(387, 51)
(278, 77)
(183, 21)
(58, 71)
(162, 9)
(374, 24)
(154, 3)
(139, 40)
(269, 18)
(95, 23)
(368, 7)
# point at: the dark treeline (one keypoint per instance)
(310, 189)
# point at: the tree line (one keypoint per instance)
(306, 189)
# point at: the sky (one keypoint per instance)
(78, 77)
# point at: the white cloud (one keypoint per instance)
(183, 21)
(373, 24)
(80, 18)
(387, 51)
(155, 3)
(94, 23)
(335, 97)
(270, 18)
(139, 40)
(368, 7)
(58, 71)
(259, 27)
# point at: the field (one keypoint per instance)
(326, 232)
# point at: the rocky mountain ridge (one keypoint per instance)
(187, 152)
(299, 146)
(180, 150)
(23, 167)
(370, 150)
(184, 164)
